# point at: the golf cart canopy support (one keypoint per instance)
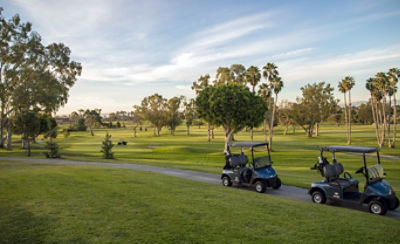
(355, 149)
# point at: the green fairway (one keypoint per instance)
(44, 203)
(293, 154)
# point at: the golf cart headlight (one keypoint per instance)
(390, 192)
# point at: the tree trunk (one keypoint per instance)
(154, 131)
(188, 130)
(2, 119)
(91, 132)
(271, 129)
(317, 129)
(395, 120)
(29, 148)
(9, 135)
(251, 134)
(375, 119)
(384, 118)
(345, 116)
(209, 132)
(349, 121)
(265, 129)
(212, 132)
(228, 138)
(286, 129)
(134, 131)
(310, 131)
(389, 139)
(158, 131)
(294, 128)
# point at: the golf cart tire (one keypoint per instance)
(278, 184)
(226, 181)
(260, 186)
(318, 197)
(377, 207)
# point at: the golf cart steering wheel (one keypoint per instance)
(360, 170)
(347, 175)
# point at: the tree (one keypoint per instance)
(265, 93)
(270, 73)
(285, 115)
(381, 82)
(238, 74)
(345, 86)
(253, 77)
(374, 98)
(231, 106)
(136, 119)
(364, 114)
(34, 78)
(199, 85)
(189, 114)
(394, 74)
(311, 107)
(153, 109)
(107, 147)
(223, 76)
(173, 115)
(27, 124)
(92, 119)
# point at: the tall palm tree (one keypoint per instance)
(270, 70)
(265, 93)
(342, 89)
(394, 74)
(349, 84)
(253, 77)
(382, 83)
(276, 86)
(371, 87)
(238, 74)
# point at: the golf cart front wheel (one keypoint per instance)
(260, 186)
(278, 183)
(318, 197)
(226, 181)
(377, 207)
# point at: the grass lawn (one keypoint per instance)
(44, 203)
(293, 154)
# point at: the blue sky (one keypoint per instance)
(132, 49)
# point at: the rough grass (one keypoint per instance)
(293, 154)
(44, 203)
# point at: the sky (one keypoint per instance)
(131, 49)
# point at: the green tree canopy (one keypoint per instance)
(231, 106)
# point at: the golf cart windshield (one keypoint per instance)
(261, 158)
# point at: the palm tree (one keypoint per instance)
(238, 74)
(382, 83)
(349, 84)
(276, 86)
(371, 88)
(342, 89)
(270, 70)
(265, 93)
(394, 74)
(253, 76)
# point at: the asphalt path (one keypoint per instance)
(292, 192)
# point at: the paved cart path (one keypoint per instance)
(291, 192)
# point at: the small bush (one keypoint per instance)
(107, 146)
(52, 148)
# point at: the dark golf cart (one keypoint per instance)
(257, 172)
(378, 193)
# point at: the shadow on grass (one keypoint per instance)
(18, 225)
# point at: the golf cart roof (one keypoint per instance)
(247, 144)
(357, 149)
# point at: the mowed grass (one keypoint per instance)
(293, 154)
(44, 203)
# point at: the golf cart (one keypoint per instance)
(378, 193)
(257, 172)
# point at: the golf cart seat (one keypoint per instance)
(375, 172)
(332, 174)
(238, 160)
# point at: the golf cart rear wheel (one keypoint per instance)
(226, 181)
(260, 186)
(377, 207)
(318, 197)
(278, 183)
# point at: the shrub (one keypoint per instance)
(52, 148)
(107, 146)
